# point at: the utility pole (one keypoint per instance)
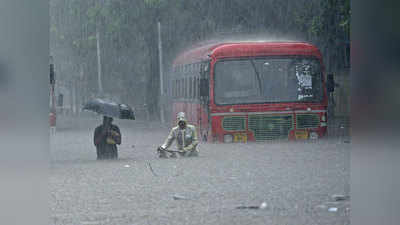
(53, 114)
(161, 103)
(100, 85)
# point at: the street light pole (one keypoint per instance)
(53, 115)
(161, 105)
(100, 85)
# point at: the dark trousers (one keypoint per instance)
(107, 153)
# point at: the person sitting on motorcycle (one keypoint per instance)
(185, 136)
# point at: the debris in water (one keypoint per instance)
(333, 209)
(127, 166)
(340, 197)
(179, 197)
(151, 169)
(248, 207)
(263, 205)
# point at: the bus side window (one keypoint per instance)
(194, 87)
(184, 88)
(173, 88)
(197, 88)
(179, 88)
(187, 88)
(176, 88)
(191, 88)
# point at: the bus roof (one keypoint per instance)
(246, 49)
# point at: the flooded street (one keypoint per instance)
(295, 181)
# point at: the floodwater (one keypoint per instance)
(295, 181)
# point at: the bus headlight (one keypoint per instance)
(313, 135)
(228, 138)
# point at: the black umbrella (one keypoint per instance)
(111, 109)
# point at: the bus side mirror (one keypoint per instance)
(330, 85)
(204, 87)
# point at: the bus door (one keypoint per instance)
(204, 114)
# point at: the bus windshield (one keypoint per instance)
(263, 80)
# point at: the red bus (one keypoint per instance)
(251, 91)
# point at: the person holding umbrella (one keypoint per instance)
(106, 138)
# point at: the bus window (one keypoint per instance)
(176, 89)
(173, 88)
(169, 90)
(184, 88)
(268, 80)
(198, 88)
(180, 88)
(195, 88)
(188, 88)
(191, 88)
